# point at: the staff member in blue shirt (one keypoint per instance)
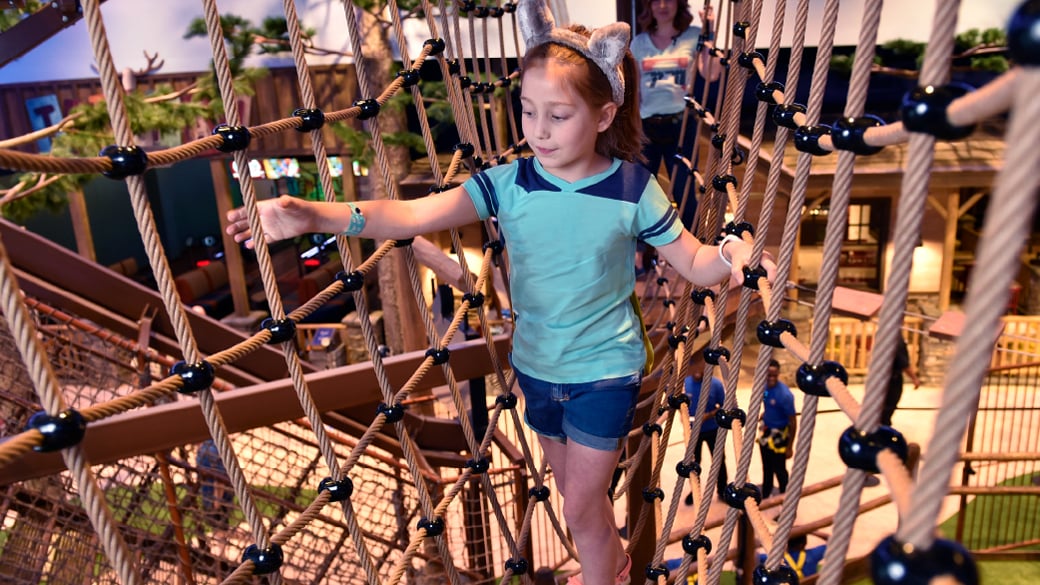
(779, 424)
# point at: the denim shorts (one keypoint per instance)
(594, 414)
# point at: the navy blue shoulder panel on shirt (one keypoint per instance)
(625, 184)
(528, 179)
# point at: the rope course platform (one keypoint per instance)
(199, 456)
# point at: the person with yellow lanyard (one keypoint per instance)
(805, 561)
(779, 423)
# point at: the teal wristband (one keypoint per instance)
(357, 221)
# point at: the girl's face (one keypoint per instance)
(559, 125)
(664, 10)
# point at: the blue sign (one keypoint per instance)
(44, 112)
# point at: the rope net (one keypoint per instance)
(303, 501)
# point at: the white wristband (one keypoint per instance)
(729, 238)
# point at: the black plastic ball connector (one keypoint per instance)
(60, 431)
(494, 245)
(718, 141)
(649, 429)
(310, 119)
(234, 137)
(369, 108)
(474, 299)
(740, 28)
(668, 303)
(352, 281)
(713, 355)
(676, 401)
(478, 466)
(892, 563)
(433, 527)
(765, 91)
(781, 575)
(517, 566)
(495, 12)
(481, 11)
(409, 77)
(924, 110)
(720, 182)
(404, 243)
(265, 561)
(725, 417)
(769, 331)
(196, 377)
(784, 115)
(1023, 33)
(700, 296)
(504, 82)
(848, 134)
(752, 276)
(338, 490)
(393, 413)
(454, 68)
(540, 493)
(436, 46)
(739, 229)
(859, 450)
(655, 572)
(685, 468)
(442, 188)
(126, 161)
(692, 544)
(467, 5)
(465, 81)
(509, 7)
(440, 355)
(807, 139)
(747, 60)
(813, 379)
(508, 401)
(650, 494)
(281, 330)
(465, 149)
(674, 340)
(735, 497)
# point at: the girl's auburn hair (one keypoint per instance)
(624, 138)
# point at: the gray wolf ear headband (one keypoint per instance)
(606, 47)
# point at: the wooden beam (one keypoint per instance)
(150, 430)
(232, 252)
(36, 28)
(970, 203)
(949, 247)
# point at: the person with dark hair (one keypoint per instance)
(570, 217)
(709, 431)
(667, 50)
(779, 423)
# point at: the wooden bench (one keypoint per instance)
(206, 287)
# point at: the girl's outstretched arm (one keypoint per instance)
(701, 264)
(286, 217)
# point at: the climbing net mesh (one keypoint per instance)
(301, 502)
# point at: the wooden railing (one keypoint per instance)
(850, 342)
(1019, 341)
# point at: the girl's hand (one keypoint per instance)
(739, 253)
(281, 218)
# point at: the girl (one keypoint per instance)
(665, 52)
(571, 216)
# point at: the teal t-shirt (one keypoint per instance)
(572, 263)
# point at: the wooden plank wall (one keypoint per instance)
(277, 95)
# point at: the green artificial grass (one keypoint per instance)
(996, 520)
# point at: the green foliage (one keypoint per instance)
(92, 132)
(12, 15)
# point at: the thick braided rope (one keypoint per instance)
(910, 211)
(1014, 204)
(839, 200)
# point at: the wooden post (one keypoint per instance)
(232, 253)
(81, 225)
(949, 248)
